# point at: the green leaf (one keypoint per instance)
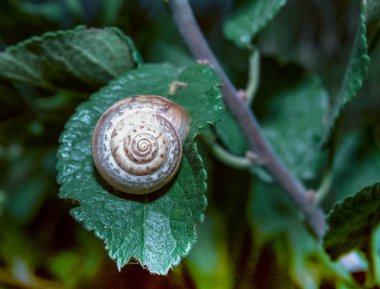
(3, 201)
(373, 9)
(75, 267)
(26, 179)
(203, 82)
(374, 255)
(110, 10)
(53, 11)
(270, 212)
(76, 9)
(209, 262)
(351, 222)
(157, 231)
(81, 58)
(25, 202)
(231, 134)
(355, 165)
(294, 126)
(249, 20)
(162, 49)
(274, 218)
(16, 24)
(356, 71)
(294, 130)
(15, 245)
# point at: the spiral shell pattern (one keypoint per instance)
(137, 143)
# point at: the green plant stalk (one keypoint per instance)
(373, 256)
(183, 17)
(223, 155)
(229, 159)
(324, 188)
(236, 162)
(254, 76)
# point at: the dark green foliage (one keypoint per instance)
(158, 231)
(250, 19)
(356, 69)
(352, 222)
(295, 126)
(65, 59)
(314, 89)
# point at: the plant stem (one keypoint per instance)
(234, 161)
(254, 75)
(373, 275)
(195, 41)
(324, 188)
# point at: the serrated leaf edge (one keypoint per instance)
(245, 42)
(356, 84)
(203, 186)
(348, 202)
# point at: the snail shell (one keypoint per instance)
(137, 143)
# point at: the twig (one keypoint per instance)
(234, 161)
(325, 187)
(254, 75)
(195, 41)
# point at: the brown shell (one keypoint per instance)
(137, 143)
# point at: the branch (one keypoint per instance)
(195, 41)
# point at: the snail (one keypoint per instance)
(137, 143)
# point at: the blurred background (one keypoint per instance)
(252, 236)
